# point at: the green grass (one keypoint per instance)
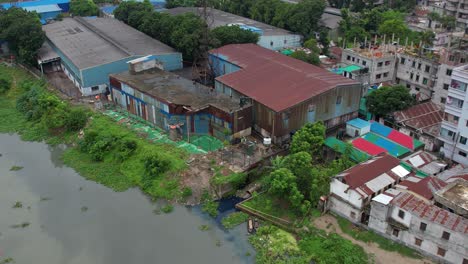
(369, 236)
(118, 175)
(271, 205)
(234, 219)
(211, 207)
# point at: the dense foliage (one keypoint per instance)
(234, 219)
(232, 35)
(363, 5)
(311, 58)
(5, 85)
(303, 176)
(274, 245)
(83, 8)
(23, 31)
(386, 100)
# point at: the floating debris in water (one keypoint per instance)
(42, 199)
(15, 168)
(80, 189)
(218, 243)
(7, 260)
(18, 204)
(22, 225)
(204, 227)
(84, 209)
(157, 211)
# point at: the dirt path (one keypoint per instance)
(329, 224)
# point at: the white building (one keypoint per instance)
(454, 129)
(352, 190)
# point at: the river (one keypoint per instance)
(75, 221)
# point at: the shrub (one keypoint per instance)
(76, 119)
(167, 208)
(5, 85)
(186, 192)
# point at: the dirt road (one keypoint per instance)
(329, 224)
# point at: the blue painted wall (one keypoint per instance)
(221, 65)
(49, 15)
(63, 4)
(100, 74)
(68, 64)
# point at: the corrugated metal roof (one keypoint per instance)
(34, 3)
(273, 79)
(383, 199)
(425, 187)
(43, 8)
(431, 213)
(425, 116)
(340, 146)
(359, 123)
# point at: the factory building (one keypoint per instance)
(92, 48)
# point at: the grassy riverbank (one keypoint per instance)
(115, 156)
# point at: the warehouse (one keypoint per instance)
(178, 105)
(286, 93)
(92, 48)
(270, 37)
(64, 5)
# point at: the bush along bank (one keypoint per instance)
(100, 150)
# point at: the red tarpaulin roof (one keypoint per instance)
(402, 139)
(368, 147)
(273, 79)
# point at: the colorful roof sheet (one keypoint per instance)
(43, 8)
(267, 76)
(368, 147)
(358, 122)
(392, 148)
(340, 146)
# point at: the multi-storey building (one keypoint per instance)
(453, 8)
(454, 129)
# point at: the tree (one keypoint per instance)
(304, 16)
(5, 85)
(83, 8)
(232, 35)
(310, 138)
(177, 3)
(394, 26)
(264, 10)
(23, 31)
(312, 45)
(303, 56)
(283, 184)
(186, 36)
(300, 164)
(388, 99)
(124, 10)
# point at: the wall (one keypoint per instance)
(344, 209)
(49, 15)
(386, 72)
(441, 91)
(71, 68)
(378, 217)
(221, 65)
(278, 42)
(352, 197)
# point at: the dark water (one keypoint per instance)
(73, 220)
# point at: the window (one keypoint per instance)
(358, 60)
(364, 62)
(418, 242)
(385, 74)
(417, 78)
(466, 123)
(379, 64)
(348, 57)
(338, 99)
(353, 59)
(461, 153)
(417, 88)
(419, 66)
(271, 43)
(446, 235)
(353, 215)
(413, 64)
(448, 72)
(387, 63)
(94, 88)
(462, 60)
(411, 76)
(463, 140)
(465, 261)
(402, 60)
(378, 76)
(443, 100)
(422, 226)
(428, 68)
(441, 252)
(396, 232)
(451, 57)
(446, 86)
(401, 214)
(285, 41)
(408, 86)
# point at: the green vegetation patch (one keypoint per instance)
(211, 207)
(369, 236)
(234, 219)
(271, 205)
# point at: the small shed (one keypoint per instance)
(357, 127)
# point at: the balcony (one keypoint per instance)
(451, 8)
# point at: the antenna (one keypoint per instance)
(201, 70)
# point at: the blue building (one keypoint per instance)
(92, 48)
(64, 5)
(46, 12)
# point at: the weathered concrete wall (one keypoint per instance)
(343, 209)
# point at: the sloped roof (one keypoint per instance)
(43, 8)
(425, 187)
(359, 123)
(273, 79)
(426, 116)
(431, 213)
(362, 176)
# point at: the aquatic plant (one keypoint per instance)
(18, 204)
(167, 208)
(15, 168)
(234, 219)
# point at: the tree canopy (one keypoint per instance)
(303, 56)
(386, 100)
(23, 31)
(83, 8)
(232, 35)
(310, 138)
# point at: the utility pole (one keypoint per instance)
(201, 70)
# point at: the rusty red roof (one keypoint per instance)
(424, 187)
(426, 116)
(366, 171)
(273, 79)
(431, 213)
